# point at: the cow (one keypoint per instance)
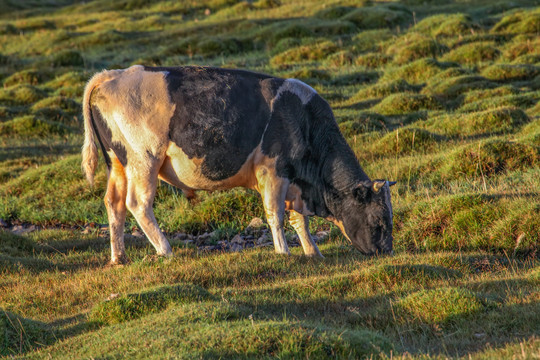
(206, 128)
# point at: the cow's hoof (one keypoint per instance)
(315, 256)
(122, 260)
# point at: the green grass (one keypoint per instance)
(442, 97)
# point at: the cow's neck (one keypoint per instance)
(340, 173)
(344, 175)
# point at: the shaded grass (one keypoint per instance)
(133, 306)
(458, 129)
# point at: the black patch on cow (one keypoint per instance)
(311, 152)
(104, 135)
(220, 115)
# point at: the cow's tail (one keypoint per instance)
(89, 149)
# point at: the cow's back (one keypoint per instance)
(220, 115)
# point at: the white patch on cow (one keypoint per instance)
(137, 109)
(297, 87)
(388, 200)
(186, 173)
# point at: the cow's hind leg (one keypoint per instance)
(300, 223)
(115, 202)
(141, 190)
(273, 190)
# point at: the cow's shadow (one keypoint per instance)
(494, 326)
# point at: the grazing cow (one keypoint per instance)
(202, 128)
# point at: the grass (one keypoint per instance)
(439, 96)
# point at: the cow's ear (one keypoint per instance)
(391, 183)
(362, 192)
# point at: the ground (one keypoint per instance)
(441, 97)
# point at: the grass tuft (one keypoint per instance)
(451, 87)
(510, 72)
(498, 121)
(416, 72)
(473, 53)
(414, 46)
(439, 306)
(519, 22)
(446, 25)
(304, 53)
(32, 126)
(21, 94)
(406, 141)
(133, 306)
(382, 16)
(404, 103)
(67, 58)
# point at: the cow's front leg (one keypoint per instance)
(115, 202)
(300, 223)
(140, 199)
(273, 190)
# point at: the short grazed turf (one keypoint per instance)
(442, 97)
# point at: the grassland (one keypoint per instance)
(439, 96)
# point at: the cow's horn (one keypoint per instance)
(390, 183)
(377, 185)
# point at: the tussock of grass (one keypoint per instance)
(382, 89)
(414, 46)
(133, 306)
(523, 101)
(406, 141)
(20, 335)
(446, 25)
(403, 103)
(305, 74)
(371, 40)
(473, 53)
(334, 28)
(313, 52)
(295, 31)
(31, 126)
(364, 123)
(372, 60)
(334, 12)
(441, 305)
(390, 15)
(38, 190)
(520, 46)
(340, 58)
(30, 77)
(531, 133)
(490, 158)
(498, 121)
(450, 87)
(519, 22)
(228, 209)
(482, 94)
(67, 58)
(60, 102)
(417, 72)
(21, 94)
(510, 72)
(496, 223)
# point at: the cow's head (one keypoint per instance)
(366, 217)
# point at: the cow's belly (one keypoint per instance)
(187, 174)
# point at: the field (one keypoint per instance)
(440, 96)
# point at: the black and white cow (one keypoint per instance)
(202, 128)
